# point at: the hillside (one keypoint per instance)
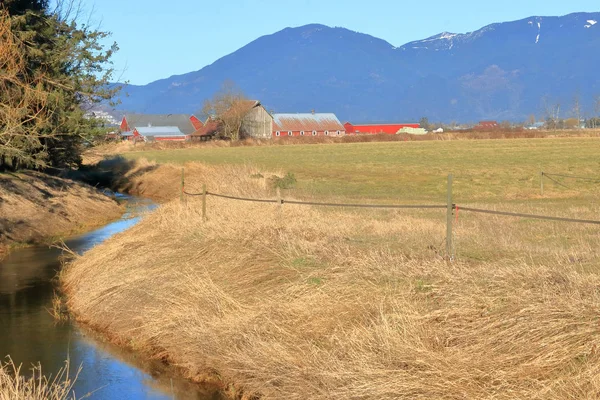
(502, 71)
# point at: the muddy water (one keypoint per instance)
(29, 334)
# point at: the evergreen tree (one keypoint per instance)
(61, 67)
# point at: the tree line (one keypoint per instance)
(52, 67)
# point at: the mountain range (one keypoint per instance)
(504, 71)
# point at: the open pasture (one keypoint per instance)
(485, 171)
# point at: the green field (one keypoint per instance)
(485, 171)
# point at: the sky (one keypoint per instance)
(159, 38)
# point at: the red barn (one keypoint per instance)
(319, 124)
(487, 125)
(374, 129)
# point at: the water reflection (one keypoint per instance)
(28, 332)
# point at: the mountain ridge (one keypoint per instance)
(504, 70)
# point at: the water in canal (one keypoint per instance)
(29, 334)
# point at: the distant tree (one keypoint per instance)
(576, 110)
(595, 121)
(424, 122)
(571, 123)
(531, 120)
(551, 113)
(228, 106)
(592, 123)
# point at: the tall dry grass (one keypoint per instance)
(312, 303)
(17, 385)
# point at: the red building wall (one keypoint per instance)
(138, 136)
(308, 134)
(374, 129)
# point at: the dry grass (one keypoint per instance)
(310, 303)
(59, 310)
(16, 385)
(162, 182)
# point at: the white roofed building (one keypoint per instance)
(157, 133)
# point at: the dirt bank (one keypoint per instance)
(300, 303)
(36, 208)
(162, 182)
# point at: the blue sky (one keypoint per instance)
(162, 38)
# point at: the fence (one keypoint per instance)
(450, 207)
(550, 176)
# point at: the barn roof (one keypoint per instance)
(210, 128)
(182, 121)
(159, 131)
(307, 122)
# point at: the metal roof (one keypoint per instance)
(307, 122)
(159, 131)
(182, 121)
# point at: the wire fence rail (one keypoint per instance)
(554, 178)
(312, 203)
(451, 208)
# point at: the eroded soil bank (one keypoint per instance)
(37, 208)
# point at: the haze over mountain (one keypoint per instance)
(504, 71)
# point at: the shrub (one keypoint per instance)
(287, 182)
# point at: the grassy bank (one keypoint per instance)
(37, 208)
(337, 303)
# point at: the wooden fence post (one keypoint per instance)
(203, 202)
(542, 183)
(279, 202)
(449, 220)
(182, 185)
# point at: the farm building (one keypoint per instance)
(208, 130)
(183, 122)
(309, 124)
(256, 121)
(155, 133)
(374, 129)
(487, 125)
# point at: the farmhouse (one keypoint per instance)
(256, 122)
(155, 133)
(309, 124)
(185, 123)
(374, 129)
